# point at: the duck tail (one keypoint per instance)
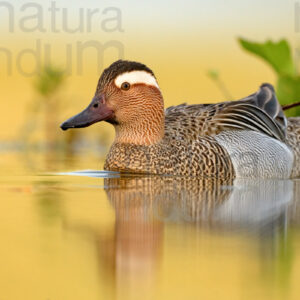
(288, 106)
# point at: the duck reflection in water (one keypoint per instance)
(145, 205)
(210, 202)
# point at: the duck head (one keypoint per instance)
(128, 97)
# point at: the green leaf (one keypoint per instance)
(288, 91)
(278, 55)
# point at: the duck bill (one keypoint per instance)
(96, 111)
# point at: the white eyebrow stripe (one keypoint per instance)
(136, 77)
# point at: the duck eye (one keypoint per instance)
(125, 86)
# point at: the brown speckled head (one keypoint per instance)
(127, 96)
(131, 91)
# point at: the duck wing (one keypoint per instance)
(259, 112)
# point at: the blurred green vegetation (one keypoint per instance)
(47, 85)
(215, 76)
(278, 55)
(43, 109)
(41, 126)
(49, 80)
(40, 132)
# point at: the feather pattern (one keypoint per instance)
(260, 112)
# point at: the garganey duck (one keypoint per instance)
(250, 137)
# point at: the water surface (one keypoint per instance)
(98, 235)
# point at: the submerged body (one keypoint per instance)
(250, 137)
